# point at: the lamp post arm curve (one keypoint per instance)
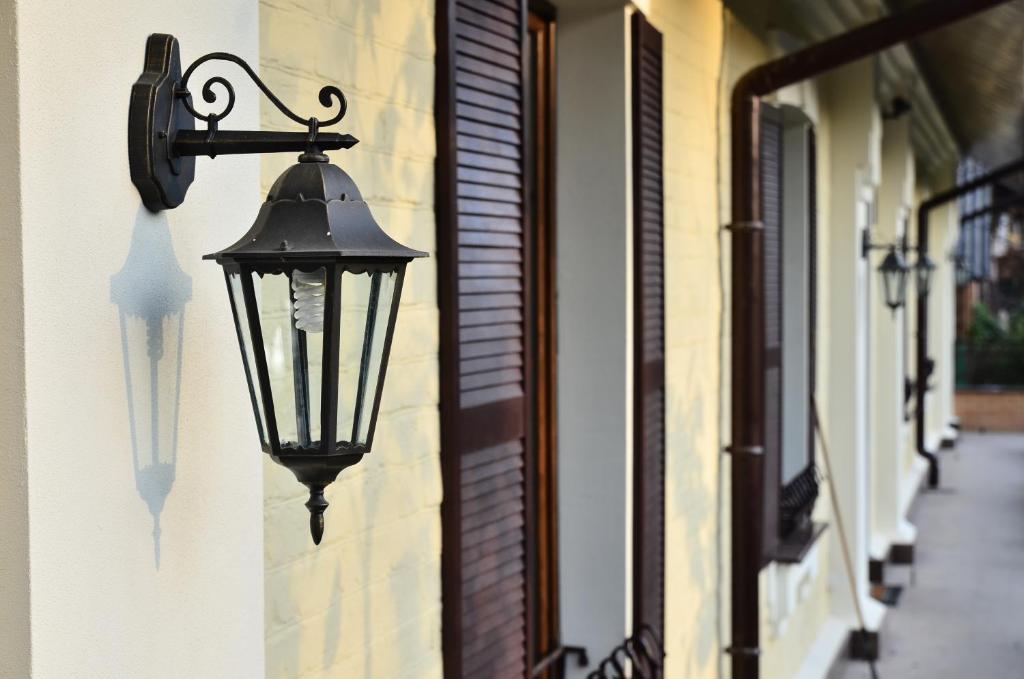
(163, 141)
(328, 93)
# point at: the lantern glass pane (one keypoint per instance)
(291, 308)
(894, 282)
(888, 287)
(366, 300)
(248, 358)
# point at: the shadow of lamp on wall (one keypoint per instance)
(151, 292)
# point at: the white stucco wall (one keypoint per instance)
(104, 601)
(594, 293)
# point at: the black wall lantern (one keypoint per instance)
(923, 269)
(894, 271)
(314, 285)
(963, 271)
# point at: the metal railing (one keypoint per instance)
(797, 500)
(999, 364)
(641, 656)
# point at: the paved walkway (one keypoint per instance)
(963, 618)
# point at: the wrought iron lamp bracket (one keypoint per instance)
(163, 141)
(867, 245)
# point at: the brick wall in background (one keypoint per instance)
(990, 410)
(367, 602)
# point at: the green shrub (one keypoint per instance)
(985, 328)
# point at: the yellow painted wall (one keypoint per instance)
(367, 602)
(693, 42)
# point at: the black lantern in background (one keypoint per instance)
(314, 285)
(894, 272)
(893, 268)
(963, 272)
(924, 269)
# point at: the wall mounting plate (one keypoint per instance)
(155, 115)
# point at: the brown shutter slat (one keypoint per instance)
(649, 323)
(490, 9)
(771, 196)
(482, 295)
(473, 110)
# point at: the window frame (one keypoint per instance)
(789, 531)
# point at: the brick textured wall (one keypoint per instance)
(990, 410)
(367, 602)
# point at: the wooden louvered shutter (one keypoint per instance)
(649, 319)
(771, 196)
(484, 359)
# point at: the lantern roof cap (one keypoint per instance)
(315, 210)
(893, 261)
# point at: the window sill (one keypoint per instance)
(795, 547)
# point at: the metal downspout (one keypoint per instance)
(747, 281)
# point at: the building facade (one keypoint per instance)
(551, 469)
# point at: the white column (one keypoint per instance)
(945, 353)
(110, 595)
(941, 325)
(854, 168)
(888, 362)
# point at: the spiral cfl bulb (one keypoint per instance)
(309, 289)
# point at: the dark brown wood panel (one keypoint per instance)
(484, 294)
(649, 328)
(771, 196)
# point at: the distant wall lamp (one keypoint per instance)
(894, 271)
(314, 284)
(923, 269)
(963, 271)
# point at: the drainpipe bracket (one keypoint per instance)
(754, 651)
(755, 225)
(745, 450)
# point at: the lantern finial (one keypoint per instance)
(317, 505)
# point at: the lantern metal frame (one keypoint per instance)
(962, 272)
(924, 267)
(892, 263)
(313, 218)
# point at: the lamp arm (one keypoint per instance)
(163, 141)
(327, 95)
(227, 142)
(867, 245)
